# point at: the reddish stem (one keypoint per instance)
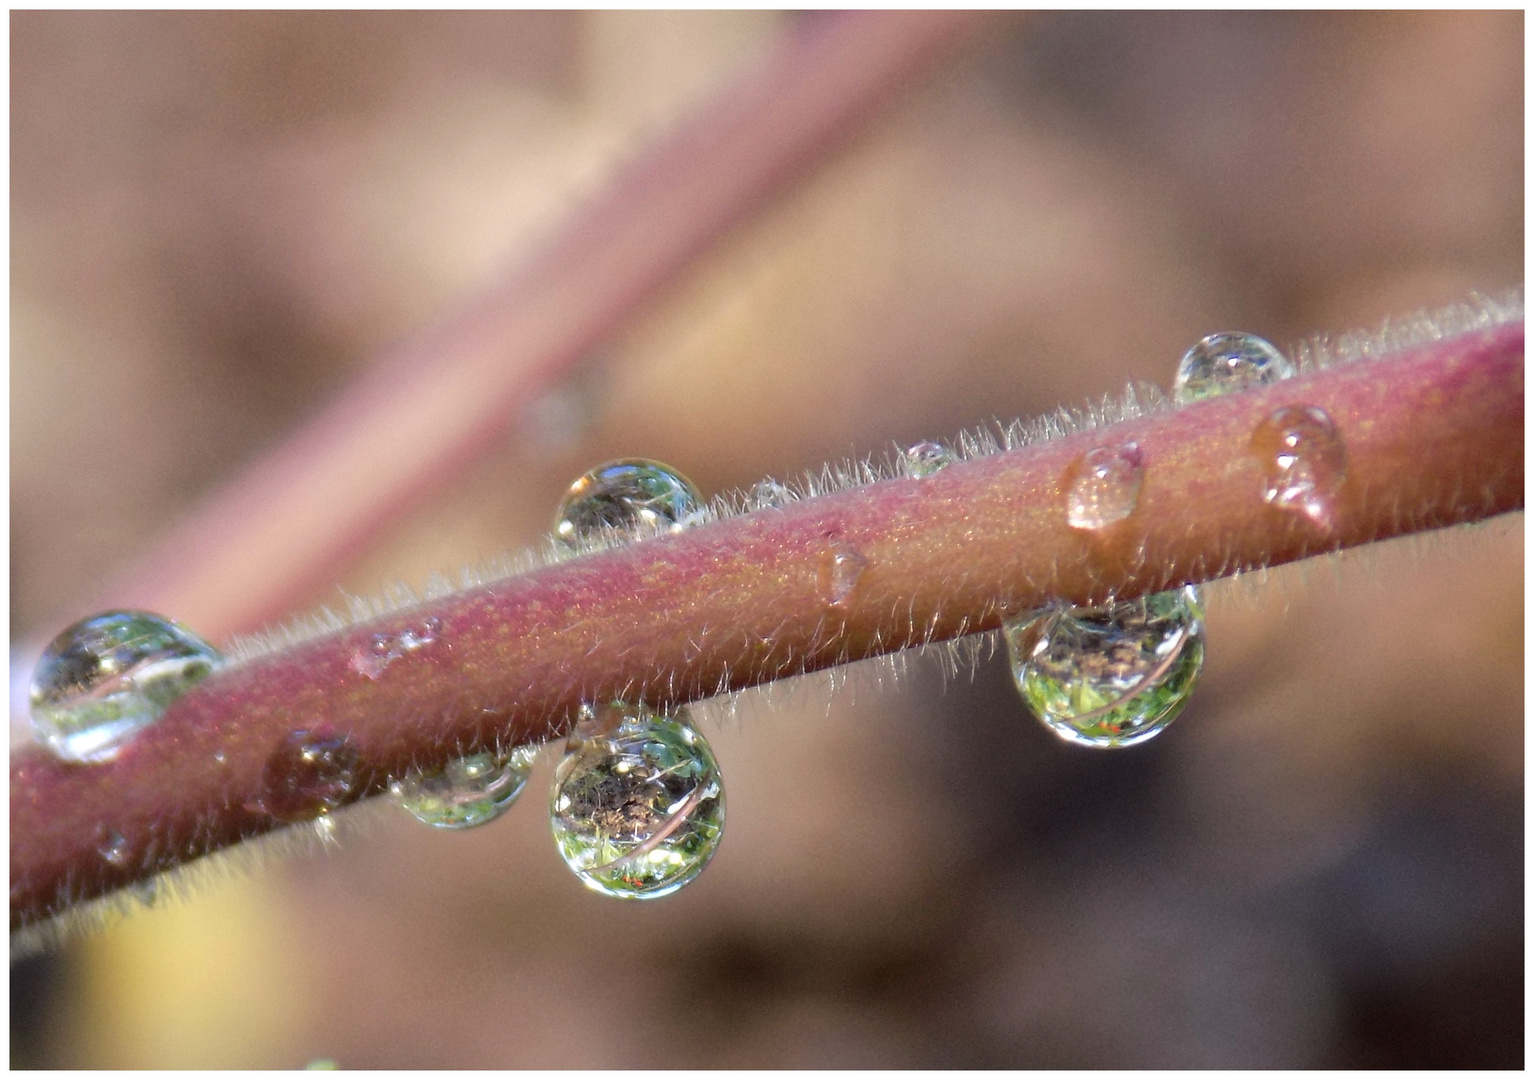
(438, 400)
(1433, 437)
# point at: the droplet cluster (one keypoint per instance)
(1118, 674)
(637, 808)
(108, 677)
(638, 804)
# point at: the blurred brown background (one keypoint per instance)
(217, 218)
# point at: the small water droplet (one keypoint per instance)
(1102, 486)
(106, 678)
(638, 811)
(1304, 462)
(220, 757)
(325, 829)
(310, 773)
(419, 636)
(467, 791)
(381, 650)
(926, 458)
(632, 495)
(1109, 676)
(769, 493)
(840, 571)
(112, 846)
(147, 891)
(1224, 363)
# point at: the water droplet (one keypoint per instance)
(382, 650)
(637, 809)
(467, 791)
(769, 493)
(220, 757)
(632, 495)
(1113, 675)
(1102, 486)
(324, 828)
(147, 891)
(309, 774)
(1225, 363)
(112, 846)
(106, 678)
(926, 458)
(1304, 462)
(840, 570)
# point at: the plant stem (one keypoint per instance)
(1434, 437)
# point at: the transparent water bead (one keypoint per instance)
(108, 677)
(383, 649)
(1224, 363)
(1103, 486)
(632, 495)
(309, 773)
(1109, 676)
(1304, 462)
(112, 846)
(926, 458)
(841, 568)
(770, 493)
(467, 791)
(638, 802)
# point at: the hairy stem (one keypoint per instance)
(1434, 437)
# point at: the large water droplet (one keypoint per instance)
(1102, 486)
(841, 568)
(467, 791)
(309, 774)
(1304, 462)
(926, 458)
(1113, 675)
(632, 495)
(1225, 363)
(638, 808)
(108, 677)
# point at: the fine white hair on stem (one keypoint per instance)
(187, 880)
